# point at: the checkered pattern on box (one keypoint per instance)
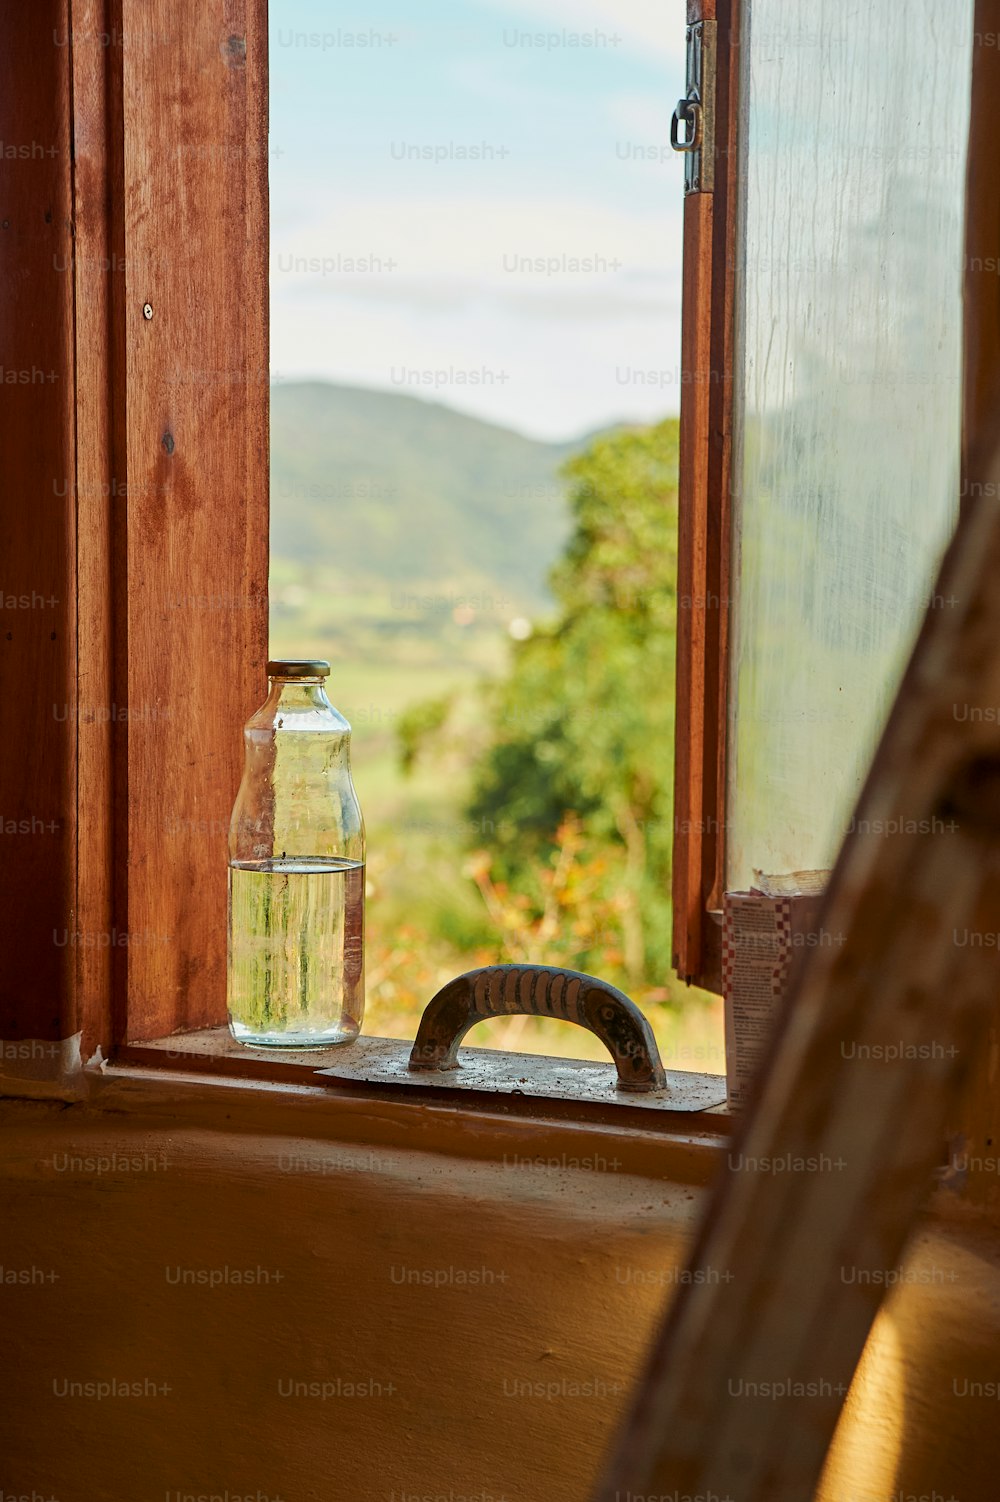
(783, 942)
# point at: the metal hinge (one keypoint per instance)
(696, 112)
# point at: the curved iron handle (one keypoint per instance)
(539, 991)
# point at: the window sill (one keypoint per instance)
(490, 1080)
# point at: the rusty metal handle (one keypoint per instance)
(689, 114)
(539, 991)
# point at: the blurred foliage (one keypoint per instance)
(575, 785)
(417, 723)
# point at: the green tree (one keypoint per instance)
(582, 727)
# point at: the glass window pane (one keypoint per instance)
(848, 418)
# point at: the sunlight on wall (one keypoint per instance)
(864, 1458)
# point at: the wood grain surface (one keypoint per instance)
(38, 733)
(135, 480)
(194, 613)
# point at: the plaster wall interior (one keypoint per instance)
(233, 1291)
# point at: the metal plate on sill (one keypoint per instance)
(383, 1061)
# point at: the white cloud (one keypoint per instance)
(656, 26)
(486, 240)
(543, 350)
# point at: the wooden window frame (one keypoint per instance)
(155, 535)
(135, 233)
(704, 528)
(158, 537)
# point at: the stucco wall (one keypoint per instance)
(427, 1314)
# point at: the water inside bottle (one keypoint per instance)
(296, 951)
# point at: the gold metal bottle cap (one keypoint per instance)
(298, 667)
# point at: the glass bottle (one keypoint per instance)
(296, 872)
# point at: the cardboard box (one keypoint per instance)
(763, 938)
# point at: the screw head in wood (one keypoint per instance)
(147, 310)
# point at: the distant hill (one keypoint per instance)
(396, 489)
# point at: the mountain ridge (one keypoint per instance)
(406, 490)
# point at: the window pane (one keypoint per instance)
(848, 417)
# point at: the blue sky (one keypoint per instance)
(476, 203)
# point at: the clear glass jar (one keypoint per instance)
(296, 976)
